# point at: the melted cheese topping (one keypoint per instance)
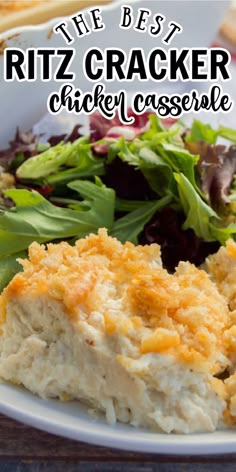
(182, 315)
(222, 267)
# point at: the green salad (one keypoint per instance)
(151, 182)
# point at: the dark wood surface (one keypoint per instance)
(25, 449)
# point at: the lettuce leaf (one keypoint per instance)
(157, 159)
(198, 213)
(36, 219)
(130, 226)
(9, 266)
(180, 160)
(205, 222)
(157, 172)
(221, 233)
(86, 169)
(77, 154)
(204, 132)
(227, 133)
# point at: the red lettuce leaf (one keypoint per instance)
(75, 134)
(177, 244)
(216, 167)
(101, 127)
(26, 143)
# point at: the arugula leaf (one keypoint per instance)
(45, 163)
(43, 147)
(227, 133)
(80, 154)
(83, 170)
(9, 266)
(36, 219)
(180, 160)
(221, 234)
(200, 216)
(127, 153)
(204, 132)
(158, 132)
(100, 199)
(128, 205)
(157, 172)
(155, 127)
(130, 226)
(77, 154)
(158, 161)
(198, 213)
(201, 132)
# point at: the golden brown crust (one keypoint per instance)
(31, 12)
(10, 6)
(181, 314)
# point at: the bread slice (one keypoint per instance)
(30, 12)
(228, 26)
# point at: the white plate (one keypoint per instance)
(72, 421)
(24, 104)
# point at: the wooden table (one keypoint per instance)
(25, 449)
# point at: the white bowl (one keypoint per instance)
(24, 103)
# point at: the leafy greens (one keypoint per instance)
(171, 161)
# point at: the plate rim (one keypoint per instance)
(96, 433)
